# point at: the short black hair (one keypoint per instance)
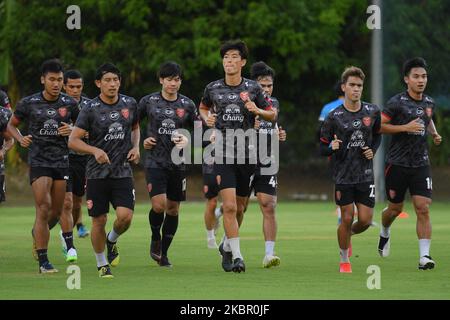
(234, 45)
(106, 68)
(261, 69)
(72, 74)
(337, 88)
(169, 69)
(51, 65)
(417, 62)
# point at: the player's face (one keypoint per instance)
(267, 85)
(53, 82)
(233, 62)
(109, 84)
(74, 87)
(170, 85)
(417, 80)
(353, 88)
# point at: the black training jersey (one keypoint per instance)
(48, 148)
(356, 130)
(109, 128)
(81, 104)
(164, 118)
(409, 149)
(268, 129)
(228, 103)
(4, 100)
(5, 114)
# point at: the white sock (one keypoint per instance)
(210, 234)
(424, 247)
(269, 248)
(218, 212)
(344, 255)
(113, 236)
(235, 248)
(385, 231)
(101, 259)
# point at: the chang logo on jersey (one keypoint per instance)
(233, 113)
(265, 127)
(115, 132)
(167, 127)
(356, 140)
(114, 115)
(51, 112)
(356, 123)
(50, 128)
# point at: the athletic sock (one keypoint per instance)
(113, 236)
(101, 259)
(169, 229)
(42, 254)
(235, 248)
(210, 234)
(270, 245)
(424, 247)
(68, 238)
(385, 231)
(344, 255)
(156, 221)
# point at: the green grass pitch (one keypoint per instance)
(306, 244)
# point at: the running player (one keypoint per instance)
(6, 143)
(230, 104)
(111, 120)
(166, 111)
(48, 114)
(408, 117)
(351, 135)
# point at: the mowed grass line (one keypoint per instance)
(306, 244)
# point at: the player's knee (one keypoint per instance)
(67, 206)
(125, 220)
(159, 207)
(229, 208)
(422, 210)
(212, 202)
(347, 219)
(100, 221)
(44, 208)
(268, 207)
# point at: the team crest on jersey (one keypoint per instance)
(51, 112)
(62, 112)
(114, 115)
(244, 95)
(180, 112)
(125, 113)
(367, 121)
(356, 123)
(429, 112)
(419, 112)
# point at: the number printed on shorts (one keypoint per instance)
(273, 181)
(372, 191)
(429, 183)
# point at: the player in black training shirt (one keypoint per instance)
(350, 134)
(408, 117)
(111, 120)
(6, 143)
(233, 103)
(166, 112)
(4, 100)
(73, 86)
(48, 114)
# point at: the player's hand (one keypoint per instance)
(335, 144)
(180, 140)
(368, 153)
(2, 154)
(65, 129)
(101, 156)
(211, 120)
(414, 127)
(251, 106)
(26, 141)
(282, 134)
(212, 138)
(257, 122)
(437, 139)
(134, 155)
(149, 143)
(86, 135)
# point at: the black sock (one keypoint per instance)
(68, 238)
(79, 225)
(42, 254)
(168, 232)
(53, 222)
(156, 220)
